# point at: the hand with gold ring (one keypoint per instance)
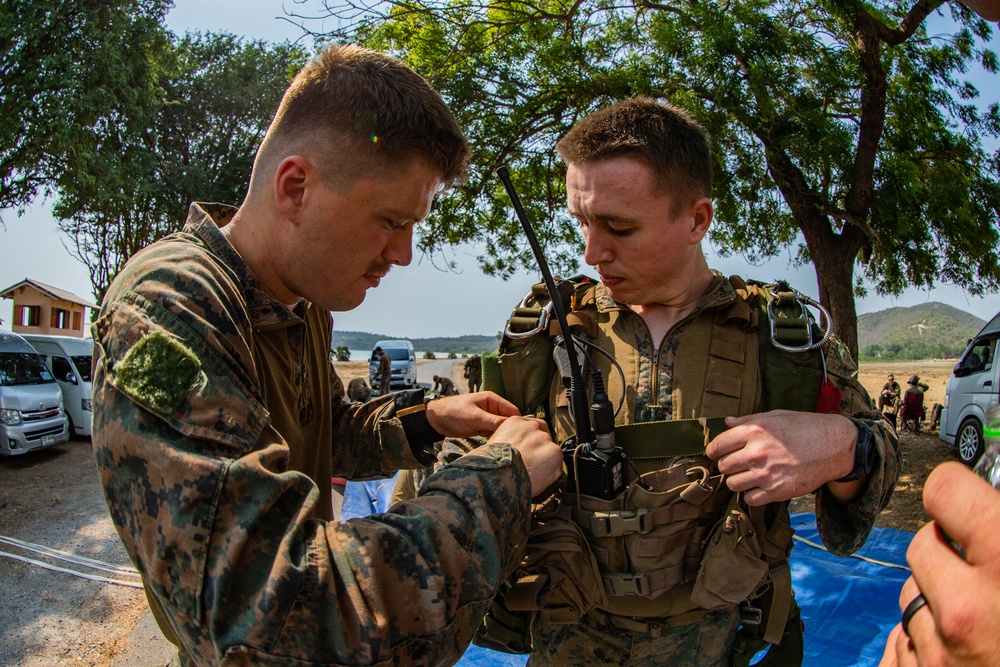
(951, 605)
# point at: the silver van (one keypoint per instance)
(69, 359)
(404, 364)
(31, 407)
(972, 390)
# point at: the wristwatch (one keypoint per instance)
(411, 410)
(865, 453)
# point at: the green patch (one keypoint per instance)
(159, 372)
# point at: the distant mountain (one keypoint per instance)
(358, 340)
(928, 331)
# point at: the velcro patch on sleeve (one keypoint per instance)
(159, 372)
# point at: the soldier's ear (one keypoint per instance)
(701, 218)
(293, 179)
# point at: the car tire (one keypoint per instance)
(969, 441)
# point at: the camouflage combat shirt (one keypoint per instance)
(218, 423)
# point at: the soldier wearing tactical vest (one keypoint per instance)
(473, 372)
(689, 565)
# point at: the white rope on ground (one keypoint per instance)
(120, 570)
(864, 558)
(126, 570)
(82, 575)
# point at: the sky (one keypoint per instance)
(420, 300)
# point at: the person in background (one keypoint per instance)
(358, 390)
(219, 419)
(888, 398)
(911, 409)
(444, 386)
(384, 372)
(473, 372)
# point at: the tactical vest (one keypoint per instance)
(679, 543)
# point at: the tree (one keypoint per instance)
(195, 142)
(839, 120)
(63, 64)
(341, 353)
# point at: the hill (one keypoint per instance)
(359, 340)
(927, 331)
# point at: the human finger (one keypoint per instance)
(496, 404)
(889, 653)
(912, 608)
(729, 441)
(961, 504)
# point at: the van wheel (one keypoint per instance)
(969, 441)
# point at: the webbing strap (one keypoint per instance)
(655, 627)
(781, 602)
(668, 439)
(648, 584)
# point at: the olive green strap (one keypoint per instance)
(492, 380)
(668, 439)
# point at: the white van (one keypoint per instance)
(69, 359)
(404, 364)
(31, 406)
(972, 390)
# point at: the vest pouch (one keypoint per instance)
(673, 517)
(526, 370)
(559, 572)
(733, 566)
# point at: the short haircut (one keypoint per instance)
(664, 137)
(368, 112)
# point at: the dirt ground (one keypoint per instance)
(52, 498)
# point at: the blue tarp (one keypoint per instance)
(849, 605)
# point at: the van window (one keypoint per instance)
(61, 368)
(397, 353)
(980, 356)
(23, 368)
(83, 364)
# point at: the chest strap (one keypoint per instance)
(668, 439)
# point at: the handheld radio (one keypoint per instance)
(596, 467)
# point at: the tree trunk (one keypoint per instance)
(835, 278)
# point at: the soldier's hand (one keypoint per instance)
(466, 415)
(957, 625)
(780, 455)
(541, 456)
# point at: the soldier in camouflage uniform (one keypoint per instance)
(384, 373)
(473, 372)
(638, 182)
(219, 420)
(444, 386)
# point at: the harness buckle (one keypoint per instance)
(787, 296)
(618, 523)
(543, 322)
(626, 584)
(750, 615)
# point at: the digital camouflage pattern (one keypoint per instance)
(218, 423)
(594, 641)
(651, 394)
